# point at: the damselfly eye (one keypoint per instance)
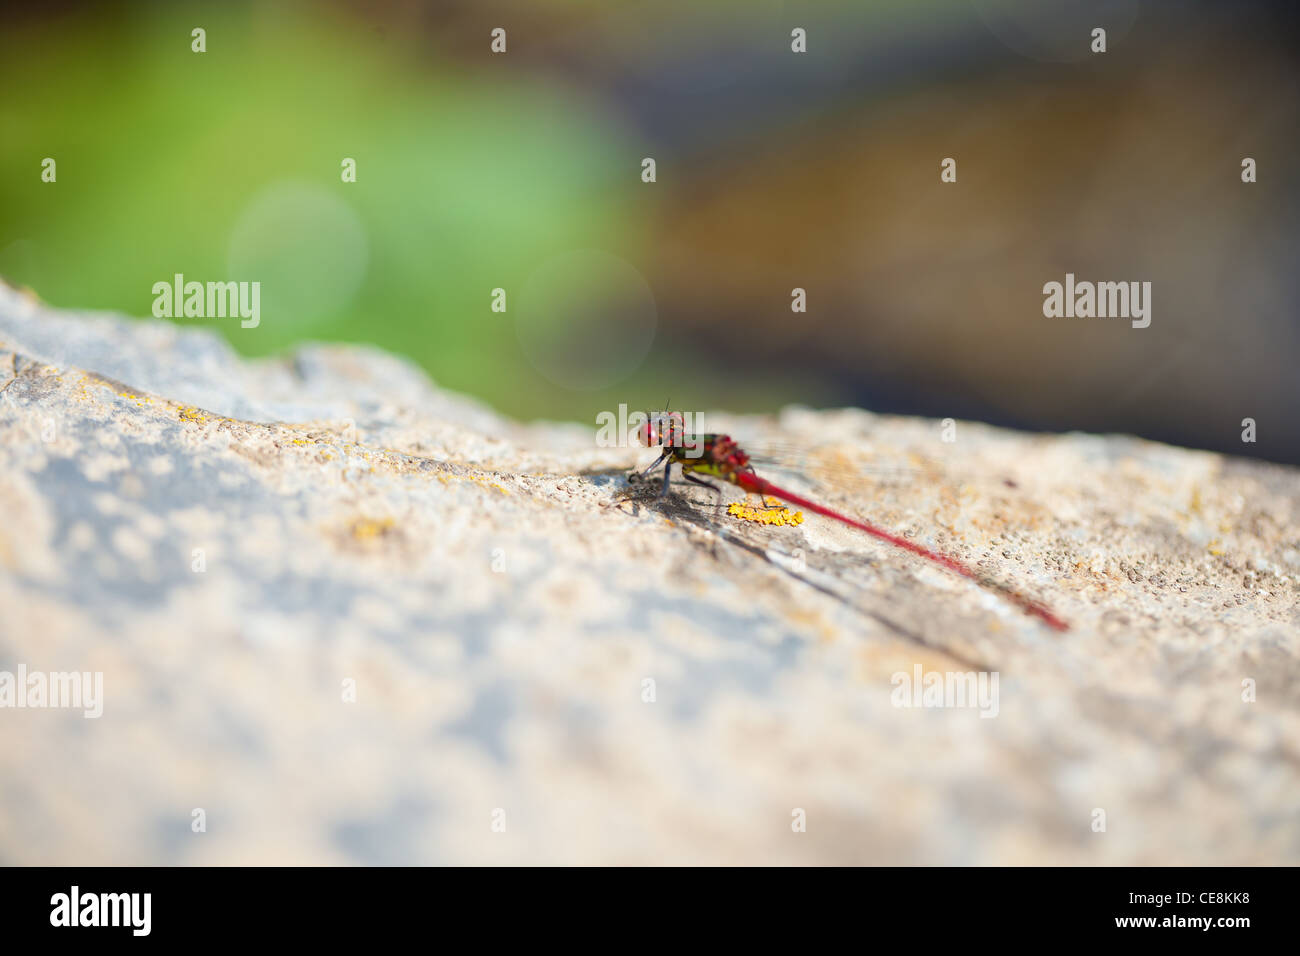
(673, 428)
(648, 434)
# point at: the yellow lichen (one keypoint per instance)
(484, 481)
(367, 529)
(774, 514)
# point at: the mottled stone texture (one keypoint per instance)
(230, 541)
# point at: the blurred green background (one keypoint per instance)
(522, 171)
(227, 164)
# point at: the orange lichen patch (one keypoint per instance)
(1215, 548)
(773, 514)
(189, 413)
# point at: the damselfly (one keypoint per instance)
(718, 456)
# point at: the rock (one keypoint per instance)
(356, 619)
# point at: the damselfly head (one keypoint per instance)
(662, 428)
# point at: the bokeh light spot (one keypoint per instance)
(307, 248)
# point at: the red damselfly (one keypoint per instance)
(718, 456)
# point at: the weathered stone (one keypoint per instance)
(229, 542)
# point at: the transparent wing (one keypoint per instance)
(841, 465)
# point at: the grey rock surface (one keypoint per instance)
(236, 544)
